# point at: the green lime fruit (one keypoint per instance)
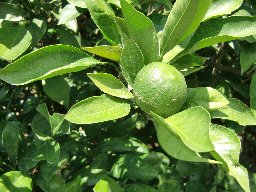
(160, 88)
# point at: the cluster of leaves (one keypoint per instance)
(60, 133)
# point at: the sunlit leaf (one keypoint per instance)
(142, 31)
(110, 85)
(110, 52)
(46, 62)
(227, 148)
(98, 109)
(220, 7)
(183, 20)
(15, 181)
(192, 126)
(236, 111)
(13, 42)
(132, 61)
(206, 97)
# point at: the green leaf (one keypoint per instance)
(3, 93)
(139, 188)
(132, 61)
(51, 183)
(110, 52)
(49, 150)
(247, 56)
(110, 85)
(69, 37)
(206, 97)
(15, 181)
(253, 94)
(184, 18)
(236, 111)
(98, 109)
(170, 185)
(104, 18)
(11, 12)
(220, 30)
(74, 186)
(67, 15)
(37, 28)
(122, 145)
(27, 159)
(46, 62)
(14, 41)
(139, 167)
(189, 64)
(46, 125)
(43, 110)
(107, 185)
(41, 127)
(227, 149)
(11, 138)
(192, 126)
(142, 31)
(57, 89)
(59, 124)
(220, 7)
(172, 144)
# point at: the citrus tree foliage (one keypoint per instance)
(125, 95)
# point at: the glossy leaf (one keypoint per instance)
(195, 137)
(253, 94)
(142, 31)
(172, 144)
(220, 7)
(236, 111)
(227, 149)
(110, 85)
(183, 20)
(11, 138)
(107, 184)
(132, 61)
(15, 181)
(206, 97)
(110, 52)
(14, 41)
(104, 18)
(220, 30)
(98, 109)
(57, 89)
(46, 62)
(247, 56)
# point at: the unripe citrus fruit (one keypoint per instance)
(160, 88)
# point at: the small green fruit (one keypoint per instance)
(160, 88)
